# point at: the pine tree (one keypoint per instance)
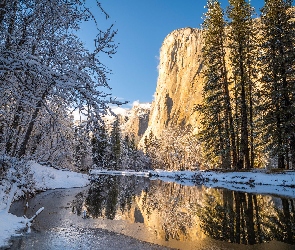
(241, 43)
(277, 68)
(115, 141)
(99, 143)
(216, 108)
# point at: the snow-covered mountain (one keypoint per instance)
(133, 121)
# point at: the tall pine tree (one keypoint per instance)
(277, 70)
(217, 119)
(100, 145)
(116, 143)
(241, 43)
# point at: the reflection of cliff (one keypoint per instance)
(170, 210)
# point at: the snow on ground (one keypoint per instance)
(256, 181)
(37, 178)
(123, 172)
(9, 225)
(50, 178)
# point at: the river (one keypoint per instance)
(129, 212)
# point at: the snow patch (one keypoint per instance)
(50, 178)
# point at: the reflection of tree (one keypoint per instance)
(232, 217)
(183, 213)
(281, 223)
(111, 201)
(245, 218)
(110, 194)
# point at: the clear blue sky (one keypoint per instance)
(142, 26)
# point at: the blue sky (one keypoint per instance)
(142, 26)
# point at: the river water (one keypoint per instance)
(129, 212)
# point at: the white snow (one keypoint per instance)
(50, 178)
(43, 178)
(256, 181)
(113, 172)
(120, 111)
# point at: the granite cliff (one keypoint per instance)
(179, 86)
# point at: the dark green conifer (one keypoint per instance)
(116, 143)
(218, 132)
(242, 47)
(277, 70)
(99, 143)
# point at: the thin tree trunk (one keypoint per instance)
(23, 146)
(221, 143)
(244, 156)
(252, 154)
(292, 151)
(229, 115)
(13, 127)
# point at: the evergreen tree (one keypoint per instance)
(242, 44)
(116, 143)
(277, 70)
(81, 147)
(100, 144)
(217, 119)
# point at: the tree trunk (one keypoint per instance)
(244, 156)
(229, 115)
(23, 146)
(12, 129)
(292, 151)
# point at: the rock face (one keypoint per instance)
(136, 120)
(179, 85)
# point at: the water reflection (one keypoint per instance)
(247, 218)
(177, 212)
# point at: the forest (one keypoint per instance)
(248, 94)
(47, 74)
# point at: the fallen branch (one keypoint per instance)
(28, 221)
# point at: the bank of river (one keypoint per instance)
(129, 212)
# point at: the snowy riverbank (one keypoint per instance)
(34, 177)
(256, 181)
